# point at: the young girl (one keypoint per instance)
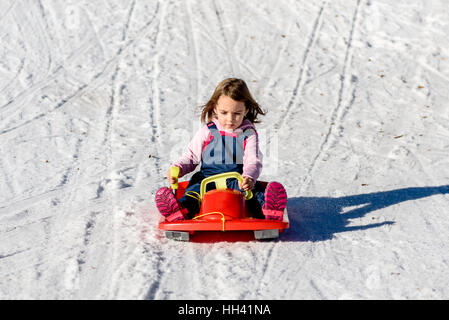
(228, 142)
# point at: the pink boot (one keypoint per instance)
(168, 206)
(275, 201)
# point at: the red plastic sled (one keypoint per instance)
(223, 216)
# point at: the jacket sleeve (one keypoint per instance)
(252, 158)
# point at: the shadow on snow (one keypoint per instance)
(319, 218)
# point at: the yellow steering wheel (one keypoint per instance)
(220, 183)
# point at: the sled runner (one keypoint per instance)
(223, 215)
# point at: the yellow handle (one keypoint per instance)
(174, 172)
(220, 182)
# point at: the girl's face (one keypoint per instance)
(230, 113)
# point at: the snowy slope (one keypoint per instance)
(98, 97)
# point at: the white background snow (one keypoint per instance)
(98, 97)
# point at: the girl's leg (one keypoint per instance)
(268, 203)
(255, 204)
(189, 201)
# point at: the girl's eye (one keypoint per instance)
(234, 113)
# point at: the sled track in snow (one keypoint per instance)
(96, 222)
(228, 49)
(299, 81)
(8, 10)
(155, 124)
(193, 46)
(17, 101)
(298, 88)
(337, 113)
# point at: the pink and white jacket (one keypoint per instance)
(252, 157)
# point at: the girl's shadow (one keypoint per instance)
(319, 218)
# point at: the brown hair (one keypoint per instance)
(235, 89)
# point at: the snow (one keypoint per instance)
(97, 98)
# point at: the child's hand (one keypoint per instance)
(171, 180)
(247, 184)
